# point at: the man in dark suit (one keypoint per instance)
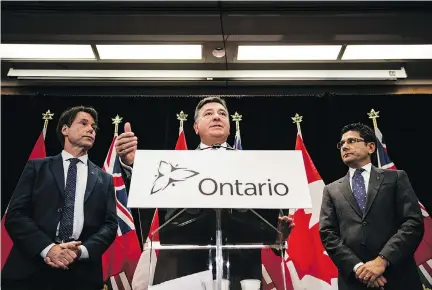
(197, 226)
(62, 215)
(370, 220)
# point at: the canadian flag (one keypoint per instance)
(146, 267)
(307, 266)
(38, 151)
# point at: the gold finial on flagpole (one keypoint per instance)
(116, 121)
(237, 118)
(374, 115)
(297, 119)
(47, 116)
(182, 117)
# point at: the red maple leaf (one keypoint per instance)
(306, 251)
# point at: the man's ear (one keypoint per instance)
(372, 148)
(65, 130)
(195, 126)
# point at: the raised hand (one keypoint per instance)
(126, 145)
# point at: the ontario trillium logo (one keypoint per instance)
(170, 175)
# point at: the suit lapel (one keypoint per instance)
(375, 180)
(57, 171)
(345, 189)
(92, 177)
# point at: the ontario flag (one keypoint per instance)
(120, 260)
(237, 141)
(423, 254)
(307, 265)
(39, 151)
(144, 274)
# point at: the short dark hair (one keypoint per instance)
(365, 132)
(206, 101)
(68, 116)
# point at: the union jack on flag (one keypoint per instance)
(423, 254)
(120, 260)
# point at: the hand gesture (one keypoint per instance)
(126, 145)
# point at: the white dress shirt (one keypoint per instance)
(366, 176)
(81, 183)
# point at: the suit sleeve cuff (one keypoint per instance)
(45, 251)
(127, 169)
(84, 253)
(357, 266)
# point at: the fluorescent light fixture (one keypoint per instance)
(168, 52)
(288, 52)
(364, 52)
(209, 74)
(46, 52)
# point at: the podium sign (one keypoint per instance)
(219, 179)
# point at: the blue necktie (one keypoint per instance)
(359, 188)
(67, 218)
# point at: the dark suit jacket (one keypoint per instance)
(392, 226)
(35, 210)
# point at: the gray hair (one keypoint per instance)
(206, 101)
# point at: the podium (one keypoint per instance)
(238, 195)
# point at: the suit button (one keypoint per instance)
(364, 223)
(59, 210)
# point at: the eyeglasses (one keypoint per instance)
(349, 141)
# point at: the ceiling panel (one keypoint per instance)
(218, 24)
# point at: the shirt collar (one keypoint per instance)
(67, 155)
(204, 146)
(367, 168)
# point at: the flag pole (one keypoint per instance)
(297, 119)
(374, 115)
(47, 116)
(116, 121)
(181, 117)
(237, 118)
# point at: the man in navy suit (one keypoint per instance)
(197, 226)
(62, 215)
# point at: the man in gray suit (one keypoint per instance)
(197, 226)
(370, 220)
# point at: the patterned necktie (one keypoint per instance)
(359, 188)
(66, 221)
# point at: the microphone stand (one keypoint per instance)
(282, 231)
